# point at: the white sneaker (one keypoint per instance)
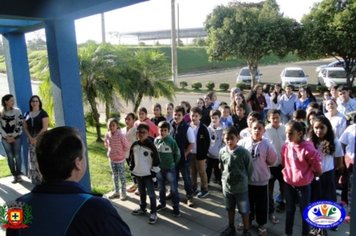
(153, 218)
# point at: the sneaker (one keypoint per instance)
(202, 194)
(137, 193)
(229, 231)
(190, 202)
(262, 231)
(160, 207)
(176, 213)
(14, 181)
(18, 179)
(114, 195)
(196, 192)
(132, 188)
(138, 211)
(153, 218)
(123, 197)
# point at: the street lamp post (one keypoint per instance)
(173, 42)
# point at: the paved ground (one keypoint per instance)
(208, 217)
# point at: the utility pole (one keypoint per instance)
(103, 31)
(173, 42)
(178, 39)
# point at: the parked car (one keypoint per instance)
(335, 63)
(244, 76)
(332, 76)
(294, 76)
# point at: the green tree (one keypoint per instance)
(153, 71)
(36, 44)
(330, 30)
(250, 31)
(97, 65)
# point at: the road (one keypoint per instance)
(270, 75)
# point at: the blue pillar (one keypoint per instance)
(18, 76)
(64, 70)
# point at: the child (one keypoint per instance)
(144, 164)
(169, 112)
(117, 146)
(187, 107)
(169, 156)
(263, 155)
(348, 141)
(201, 103)
(184, 136)
(142, 118)
(301, 163)
(256, 99)
(275, 132)
(157, 112)
(286, 102)
(226, 119)
(199, 152)
(240, 118)
(236, 166)
(130, 133)
(216, 143)
(253, 116)
(330, 150)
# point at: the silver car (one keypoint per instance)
(332, 76)
(294, 76)
(244, 76)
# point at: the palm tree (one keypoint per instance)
(153, 81)
(96, 64)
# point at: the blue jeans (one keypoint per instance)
(170, 176)
(146, 183)
(184, 168)
(13, 153)
(293, 195)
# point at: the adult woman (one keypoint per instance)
(303, 100)
(10, 130)
(36, 122)
(256, 99)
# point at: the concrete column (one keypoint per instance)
(18, 76)
(64, 71)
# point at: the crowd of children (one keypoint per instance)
(274, 134)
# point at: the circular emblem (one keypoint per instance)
(324, 214)
(145, 153)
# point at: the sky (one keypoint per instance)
(156, 15)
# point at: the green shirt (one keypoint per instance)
(168, 152)
(236, 169)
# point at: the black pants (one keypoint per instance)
(276, 174)
(258, 197)
(213, 164)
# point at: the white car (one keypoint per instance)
(332, 76)
(244, 76)
(336, 63)
(294, 76)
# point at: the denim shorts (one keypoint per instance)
(238, 199)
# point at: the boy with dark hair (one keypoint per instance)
(169, 156)
(236, 166)
(199, 152)
(184, 136)
(216, 143)
(144, 165)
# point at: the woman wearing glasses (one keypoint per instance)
(10, 130)
(36, 122)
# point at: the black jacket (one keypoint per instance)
(202, 142)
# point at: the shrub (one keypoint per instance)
(197, 85)
(183, 84)
(224, 86)
(321, 88)
(242, 86)
(116, 115)
(89, 118)
(210, 85)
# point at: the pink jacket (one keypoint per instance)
(117, 146)
(300, 162)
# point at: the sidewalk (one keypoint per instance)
(208, 217)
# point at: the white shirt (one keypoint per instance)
(346, 107)
(195, 133)
(338, 122)
(277, 137)
(348, 139)
(327, 160)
